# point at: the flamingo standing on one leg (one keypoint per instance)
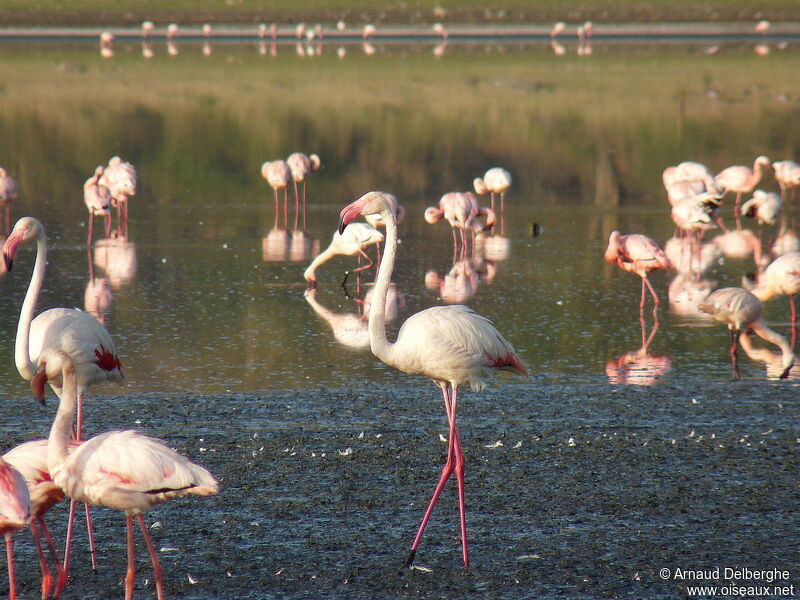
(121, 178)
(301, 167)
(76, 332)
(14, 514)
(350, 242)
(30, 459)
(741, 310)
(741, 180)
(8, 193)
(453, 345)
(782, 276)
(98, 199)
(496, 181)
(638, 254)
(124, 470)
(279, 175)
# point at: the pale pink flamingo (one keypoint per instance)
(377, 221)
(14, 514)
(147, 28)
(76, 332)
(279, 175)
(495, 181)
(352, 241)
(740, 310)
(123, 470)
(172, 31)
(301, 167)
(8, 193)
(558, 28)
(462, 212)
(30, 459)
(97, 198)
(695, 214)
(741, 180)
(787, 174)
(207, 30)
(763, 206)
(121, 178)
(638, 254)
(781, 277)
(453, 345)
(368, 31)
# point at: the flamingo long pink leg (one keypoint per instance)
(286, 207)
(47, 576)
(462, 506)
(91, 223)
(734, 346)
(12, 586)
(130, 575)
(61, 579)
(158, 574)
(304, 206)
(296, 206)
(794, 321)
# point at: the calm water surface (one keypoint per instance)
(206, 295)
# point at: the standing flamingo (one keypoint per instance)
(279, 175)
(741, 180)
(121, 178)
(301, 167)
(496, 181)
(638, 254)
(14, 514)
(462, 211)
(8, 193)
(30, 459)
(75, 332)
(350, 242)
(740, 310)
(124, 470)
(97, 198)
(781, 277)
(787, 174)
(453, 345)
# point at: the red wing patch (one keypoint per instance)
(116, 477)
(106, 360)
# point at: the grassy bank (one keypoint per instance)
(102, 12)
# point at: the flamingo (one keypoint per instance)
(740, 310)
(172, 31)
(97, 198)
(301, 167)
(694, 172)
(75, 332)
(398, 212)
(495, 181)
(462, 211)
(8, 193)
(350, 242)
(453, 345)
(557, 28)
(14, 514)
(741, 180)
(781, 277)
(787, 174)
(638, 254)
(147, 28)
(123, 470)
(764, 206)
(207, 30)
(278, 174)
(368, 31)
(30, 459)
(121, 178)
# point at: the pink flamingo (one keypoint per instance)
(30, 459)
(453, 345)
(740, 310)
(461, 210)
(495, 181)
(76, 332)
(638, 254)
(14, 514)
(121, 178)
(781, 277)
(97, 198)
(301, 167)
(123, 470)
(741, 180)
(787, 174)
(349, 242)
(279, 175)
(8, 193)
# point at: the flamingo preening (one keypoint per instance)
(121, 178)
(98, 199)
(279, 175)
(496, 181)
(123, 470)
(453, 345)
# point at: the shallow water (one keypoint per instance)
(230, 358)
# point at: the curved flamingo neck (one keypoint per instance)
(22, 356)
(61, 430)
(765, 333)
(380, 346)
(324, 256)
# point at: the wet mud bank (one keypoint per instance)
(572, 491)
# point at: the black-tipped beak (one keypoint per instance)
(37, 385)
(785, 374)
(341, 229)
(8, 260)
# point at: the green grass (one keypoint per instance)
(104, 12)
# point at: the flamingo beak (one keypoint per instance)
(37, 384)
(10, 249)
(785, 373)
(349, 214)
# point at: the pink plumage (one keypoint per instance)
(637, 253)
(14, 514)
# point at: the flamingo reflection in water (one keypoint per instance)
(639, 367)
(773, 361)
(116, 257)
(740, 310)
(462, 280)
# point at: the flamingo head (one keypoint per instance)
(433, 215)
(369, 204)
(315, 162)
(26, 229)
(612, 252)
(53, 365)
